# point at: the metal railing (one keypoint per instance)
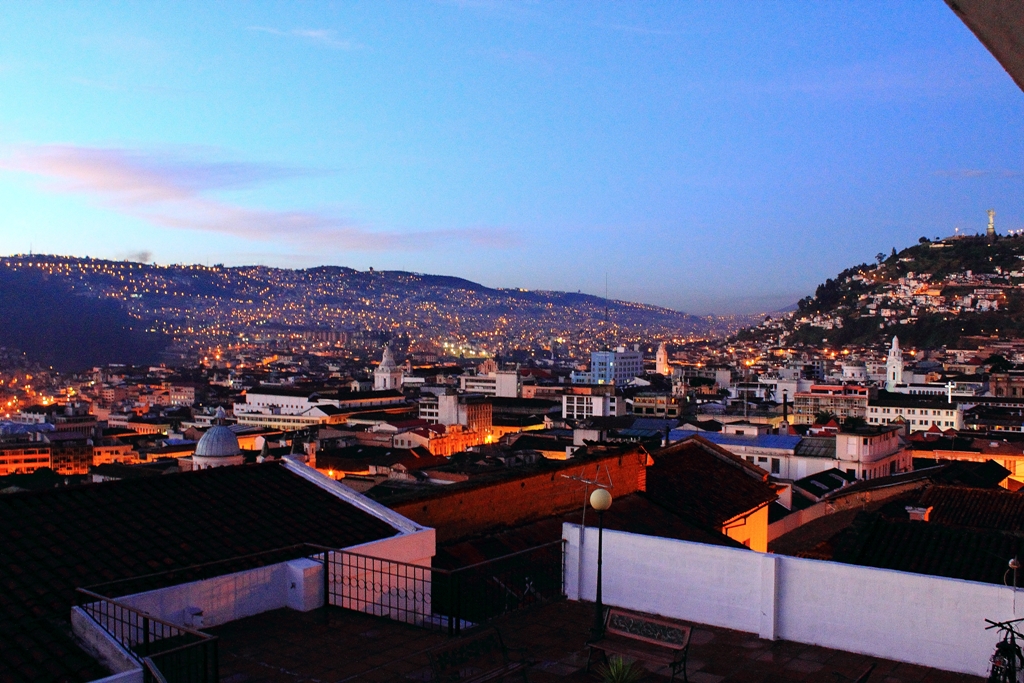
(167, 653)
(431, 597)
(445, 599)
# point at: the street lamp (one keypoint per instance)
(600, 500)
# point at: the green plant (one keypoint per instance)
(618, 670)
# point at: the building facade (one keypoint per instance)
(619, 366)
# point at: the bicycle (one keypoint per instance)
(1008, 659)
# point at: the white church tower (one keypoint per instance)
(387, 375)
(894, 366)
(661, 361)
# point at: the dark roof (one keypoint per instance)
(635, 513)
(823, 483)
(528, 442)
(705, 483)
(118, 470)
(539, 405)
(59, 540)
(365, 395)
(369, 455)
(271, 390)
(976, 508)
(817, 447)
(895, 400)
(927, 548)
(986, 474)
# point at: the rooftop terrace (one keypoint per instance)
(285, 646)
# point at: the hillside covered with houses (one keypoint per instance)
(930, 294)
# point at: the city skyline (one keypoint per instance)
(693, 155)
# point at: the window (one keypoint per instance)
(776, 466)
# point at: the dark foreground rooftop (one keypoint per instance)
(291, 647)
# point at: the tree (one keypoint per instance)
(893, 254)
(824, 417)
(924, 240)
(998, 363)
(853, 422)
(879, 257)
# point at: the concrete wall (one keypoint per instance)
(924, 620)
(105, 649)
(221, 599)
(297, 584)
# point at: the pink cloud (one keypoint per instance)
(170, 192)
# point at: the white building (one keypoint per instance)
(387, 375)
(290, 409)
(579, 406)
(865, 453)
(920, 414)
(502, 383)
(612, 367)
(894, 366)
(872, 452)
(661, 361)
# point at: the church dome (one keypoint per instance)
(218, 442)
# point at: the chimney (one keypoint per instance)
(785, 407)
(919, 514)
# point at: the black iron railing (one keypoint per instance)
(445, 599)
(168, 653)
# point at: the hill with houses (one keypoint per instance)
(931, 294)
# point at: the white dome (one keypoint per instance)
(218, 442)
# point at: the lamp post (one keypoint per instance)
(600, 500)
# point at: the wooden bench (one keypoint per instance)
(649, 639)
(481, 656)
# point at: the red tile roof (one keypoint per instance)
(706, 483)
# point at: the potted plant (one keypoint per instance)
(618, 670)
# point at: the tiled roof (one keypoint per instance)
(927, 548)
(635, 513)
(817, 447)
(705, 483)
(56, 541)
(997, 509)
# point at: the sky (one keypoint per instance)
(711, 157)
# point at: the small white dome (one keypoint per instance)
(218, 442)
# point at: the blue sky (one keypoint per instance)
(709, 157)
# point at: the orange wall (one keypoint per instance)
(520, 500)
(752, 531)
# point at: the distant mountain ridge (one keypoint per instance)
(57, 328)
(191, 302)
(931, 294)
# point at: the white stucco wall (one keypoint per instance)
(924, 620)
(223, 598)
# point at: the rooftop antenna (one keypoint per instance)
(606, 296)
(587, 483)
